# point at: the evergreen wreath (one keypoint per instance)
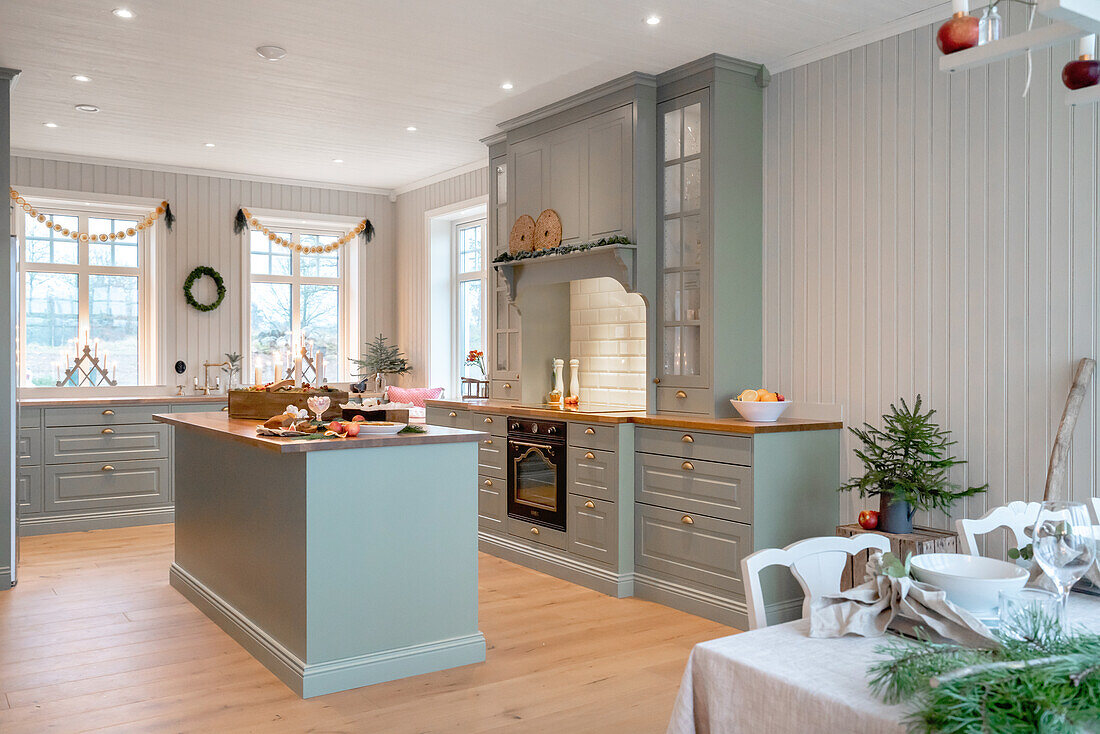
(195, 275)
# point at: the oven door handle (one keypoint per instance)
(546, 446)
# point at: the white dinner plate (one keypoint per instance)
(395, 428)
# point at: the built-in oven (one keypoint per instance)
(536, 471)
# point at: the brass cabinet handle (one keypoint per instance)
(534, 531)
(107, 467)
(507, 386)
(488, 442)
(589, 431)
(687, 466)
(687, 438)
(686, 520)
(108, 431)
(453, 414)
(225, 409)
(656, 380)
(589, 455)
(488, 482)
(681, 394)
(488, 420)
(108, 412)
(589, 504)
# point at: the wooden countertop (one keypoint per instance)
(73, 402)
(665, 420)
(242, 430)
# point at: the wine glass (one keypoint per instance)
(1063, 543)
(318, 404)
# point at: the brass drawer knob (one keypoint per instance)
(107, 467)
(589, 455)
(507, 386)
(488, 482)
(686, 520)
(681, 394)
(488, 420)
(589, 504)
(534, 531)
(488, 442)
(687, 438)
(453, 414)
(687, 466)
(589, 431)
(108, 412)
(656, 380)
(108, 431)
(225, 409)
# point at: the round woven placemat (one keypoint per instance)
(547, 230)
(522, 238)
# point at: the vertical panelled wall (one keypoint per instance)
(936, 234)
(203, 235)
(413, 332)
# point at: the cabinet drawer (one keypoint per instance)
(505, 389)
(492, 453)
(30, 418)
(93, 486)
(199, 408)
(107, 444)
(544, 535)
(28, 447)
(692, 547)
(28, 490)
(490, 423)
(449, 417)
(594, 436)
(688, 444)
(593, 529)
(671, 399)
(102, 415)
(593, 473)
(691, 485)
(491, 503)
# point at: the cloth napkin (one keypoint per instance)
(902, 604)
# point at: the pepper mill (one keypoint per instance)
(574, 378)
(559, 384)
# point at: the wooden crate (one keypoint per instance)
(921, 540)
(263, 405)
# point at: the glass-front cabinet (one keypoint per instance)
(506, 328)
(683, 199)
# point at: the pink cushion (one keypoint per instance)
(414, 395)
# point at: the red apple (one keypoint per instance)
(960, 32)
(1081, 73)
(868, 519)
(353, 429)
(336, 426)
(358, 419)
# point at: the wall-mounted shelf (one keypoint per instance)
(1014, 45)
(608, 261)
(1079, 97)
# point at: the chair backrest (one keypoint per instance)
(1015, 516)
(816, 563)
(1096, 509)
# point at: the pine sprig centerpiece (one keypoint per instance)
(381, 358)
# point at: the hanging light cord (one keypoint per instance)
(1027, 84)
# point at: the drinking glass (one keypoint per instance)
(1019, 611)
(1063, 543)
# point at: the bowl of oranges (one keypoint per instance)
(760, 405)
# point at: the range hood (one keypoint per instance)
(608, 261)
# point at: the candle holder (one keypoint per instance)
(310, 366)
(87, 370)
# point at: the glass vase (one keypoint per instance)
(989, 26)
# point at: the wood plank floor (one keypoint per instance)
(93, 639)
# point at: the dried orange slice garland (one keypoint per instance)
(122, 234)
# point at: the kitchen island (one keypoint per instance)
(337, 563)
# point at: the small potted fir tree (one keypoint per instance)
(906, 463)
(380, 360)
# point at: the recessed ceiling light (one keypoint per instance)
(653, 20)
(208, 145)
(81, 78)
(87, 108)
(50, 124)
(410, 129)
(506, 86)
(124, 13)
(337, 160)
(271, 53)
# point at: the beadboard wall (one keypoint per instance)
(936, 234)
(203, 235)
(607, 335)
(413, 325)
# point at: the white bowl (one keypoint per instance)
(972, 582)
(760, 412)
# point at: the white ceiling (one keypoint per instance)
(181, 74)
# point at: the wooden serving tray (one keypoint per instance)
(264, 405)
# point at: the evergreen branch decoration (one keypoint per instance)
(190, 282)
(368, 231)
(169, 217)
(381, 358)
(506, 257)
(240, 222)
(908, 460)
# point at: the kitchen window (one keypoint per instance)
(470, 285)
(297, 298)
(74, 293)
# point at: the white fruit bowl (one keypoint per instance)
(972, 582)
(760, 412)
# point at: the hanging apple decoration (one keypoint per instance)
(958, 33)
(1084, 71)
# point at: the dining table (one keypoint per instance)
(779, 680)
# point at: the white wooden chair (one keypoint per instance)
(1015, 516)
(1096, 509)
(816, 563)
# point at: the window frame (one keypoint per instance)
(347, 282)
(150, 311)
(457, 280)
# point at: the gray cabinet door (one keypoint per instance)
(491, 503)
(104, 485)
(28, 447)
(107, 444)
(694, 486)
(490, 423)
(593, 529)
(199, 408)
(567, 156)
(28, 490)
(102, 415)
(593, 473)
(603, 436)
(610, 173)
(537, 533)
(527, 176)
(492, 454)
(30, 417)
(448, 417)
(688, 444)
(691, 547)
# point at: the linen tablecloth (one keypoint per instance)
(778, 680)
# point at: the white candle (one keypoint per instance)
(275, 367)
(319, 365)
(196, 382)
(1087, 46)
(58, 372)
(298, 372)
(96, 353)
(258, 377)
(960, 6)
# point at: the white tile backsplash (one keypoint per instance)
(607, 334)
